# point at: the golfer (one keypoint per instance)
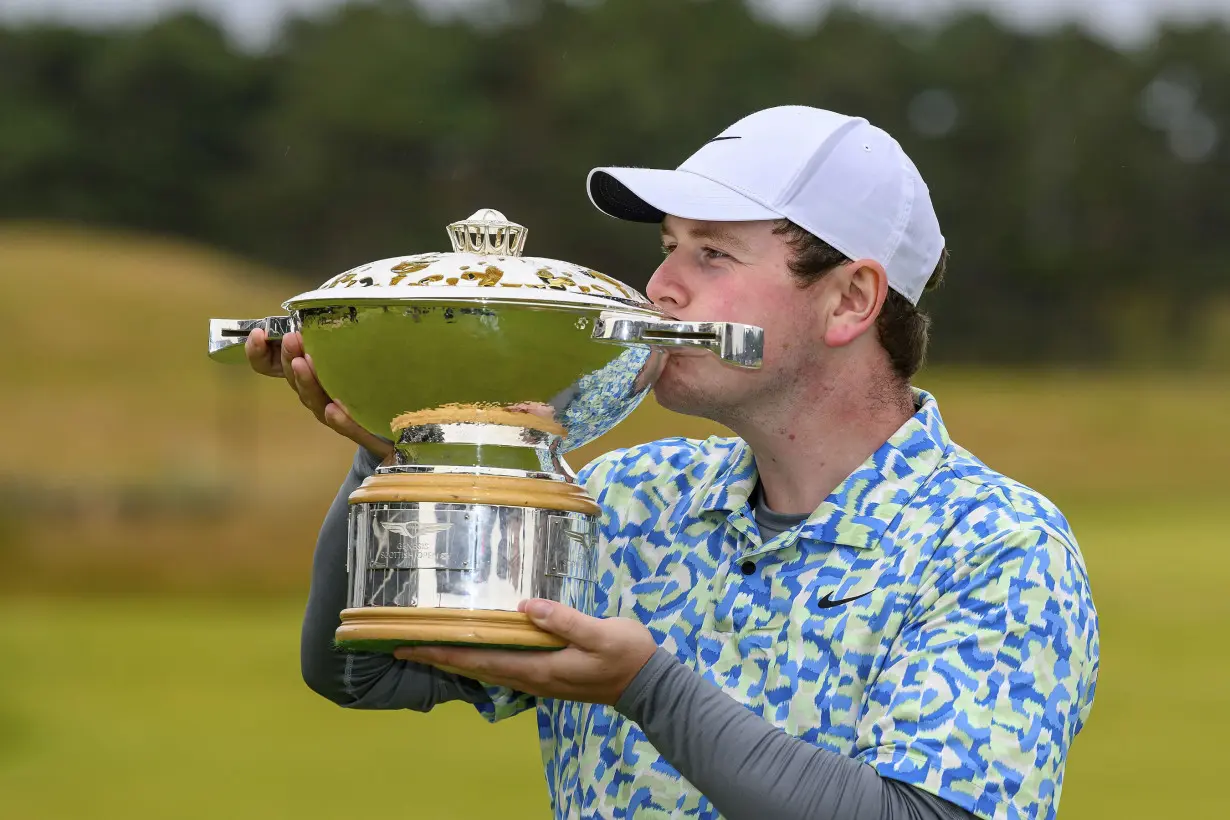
(839, 613)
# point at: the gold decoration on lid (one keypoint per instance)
(487, 232)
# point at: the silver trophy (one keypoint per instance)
(484, 368)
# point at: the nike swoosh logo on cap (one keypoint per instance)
(719, 139)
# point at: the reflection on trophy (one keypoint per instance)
(484, 368)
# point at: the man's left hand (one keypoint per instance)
(602, 657)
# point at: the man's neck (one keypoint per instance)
(806, 448)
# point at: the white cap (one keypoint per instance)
(840, 178)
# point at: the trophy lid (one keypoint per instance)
(485, 265)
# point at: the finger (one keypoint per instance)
(539, 672)
(254, 346)
(573, 626)
(381, 446)
(291, 349)
(336, 417)
(458, 656)
(286, 357)
(403, 653)
(411, 653)
(260, 353)
(294, 342)
(481, 664)
(310, 392)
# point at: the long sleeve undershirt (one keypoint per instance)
(748, 768)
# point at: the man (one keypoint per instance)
(840, 613)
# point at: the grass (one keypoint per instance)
(185, 700)
(158, 709)
(193, 708)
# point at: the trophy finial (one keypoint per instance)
(487, 232)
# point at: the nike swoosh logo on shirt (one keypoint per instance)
(827, 601)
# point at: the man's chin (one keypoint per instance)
(684, 408)
(688, 385)
(679, 396)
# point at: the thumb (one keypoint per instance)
(573, 626)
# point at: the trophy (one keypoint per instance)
(484, 368)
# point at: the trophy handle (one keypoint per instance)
(227, 336)
(734, 343)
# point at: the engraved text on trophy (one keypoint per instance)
(403, 544)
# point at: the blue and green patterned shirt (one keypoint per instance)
(963, 659)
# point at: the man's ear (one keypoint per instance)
(860, 288)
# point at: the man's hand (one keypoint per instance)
(603, 656)
(288, 360)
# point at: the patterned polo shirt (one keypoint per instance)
(932, 618)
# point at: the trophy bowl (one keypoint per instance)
(483, 368)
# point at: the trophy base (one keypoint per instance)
(385, 628)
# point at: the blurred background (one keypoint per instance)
(165, 161)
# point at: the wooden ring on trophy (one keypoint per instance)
(463, 488)
(481, 414)
(383, 629)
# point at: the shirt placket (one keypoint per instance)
(741, 539)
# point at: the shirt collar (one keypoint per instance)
(861, 508)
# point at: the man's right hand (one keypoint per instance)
(288, 360)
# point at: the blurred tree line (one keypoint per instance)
(1082, 188)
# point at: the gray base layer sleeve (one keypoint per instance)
(355, 679)
(750, 769)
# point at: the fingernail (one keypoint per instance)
(538, 609)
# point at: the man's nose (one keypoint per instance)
(665, 288)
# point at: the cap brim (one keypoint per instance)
(649, 194)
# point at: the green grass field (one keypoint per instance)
(184, 701)
(126, 709)
(171, 708)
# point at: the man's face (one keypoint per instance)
(732, 272)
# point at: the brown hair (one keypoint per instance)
(902, 328)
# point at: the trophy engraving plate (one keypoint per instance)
(401, 541)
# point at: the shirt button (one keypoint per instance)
(748, 567)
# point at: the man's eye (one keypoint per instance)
(666, 249)
(713, 253)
